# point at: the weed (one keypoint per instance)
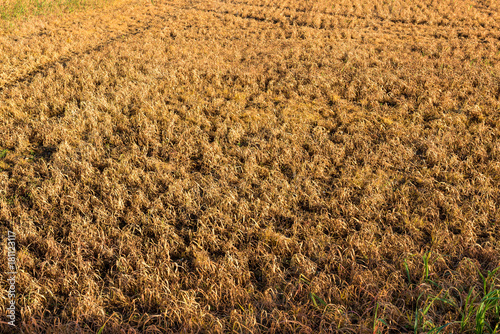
(317, 300)
(378, 322)
(425, 258)
(478, 314)
(407, 272)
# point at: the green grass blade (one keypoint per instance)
(407, 271)
(440, 328)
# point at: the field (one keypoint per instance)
(251, 166)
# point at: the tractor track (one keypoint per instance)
(285, 21)
(376, 18)
(361, 17)
(63, 60)
(406, 29)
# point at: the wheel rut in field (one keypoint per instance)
(66, 58)
(404, 27)
(404, 31)
(230, 8)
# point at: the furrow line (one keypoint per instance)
(288, 22)
(65, 59)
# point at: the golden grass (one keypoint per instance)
(14, 11)
(254, 166)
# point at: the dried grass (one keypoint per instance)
(256, 166)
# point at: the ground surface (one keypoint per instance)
(253, 166)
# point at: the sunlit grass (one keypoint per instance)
(479, 309)
(196, 166)
(11, 10)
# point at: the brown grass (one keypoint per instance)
(253, 166)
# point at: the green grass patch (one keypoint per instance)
(479, 309)
(12, 10)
